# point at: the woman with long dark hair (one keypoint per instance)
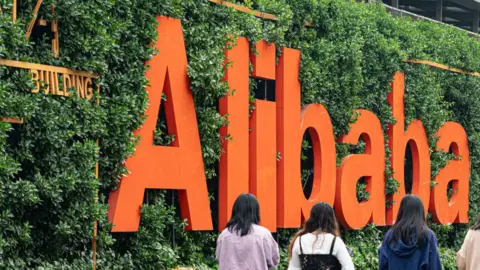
(318, 245)
(244, 244)
(468, 257)
(410, 244)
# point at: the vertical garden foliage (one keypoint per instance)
(48, 190)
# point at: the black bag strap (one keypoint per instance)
(333, 244)
(300, 243)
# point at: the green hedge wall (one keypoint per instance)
(48, 189)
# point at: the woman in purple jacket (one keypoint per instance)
(244, 244)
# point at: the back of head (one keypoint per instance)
(476, 226)
(245, 213)
(410, 227)
(322, 219)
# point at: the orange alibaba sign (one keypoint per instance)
(250, 164)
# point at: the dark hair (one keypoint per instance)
(322, 219)
(476, 226)
(410, 222)
(245, 213)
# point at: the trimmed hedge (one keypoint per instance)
(48, 189)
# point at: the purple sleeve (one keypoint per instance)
(218, 249)
(271, 252)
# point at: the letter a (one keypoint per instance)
(444, 211)
(179, 166)
(371, 165)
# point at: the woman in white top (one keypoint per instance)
(317, 245)
(468, 257)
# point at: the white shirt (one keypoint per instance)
(467, 257)
(320, 244)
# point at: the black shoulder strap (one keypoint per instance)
(300, 243)
(333, 244)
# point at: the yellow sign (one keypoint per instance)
(57, 80)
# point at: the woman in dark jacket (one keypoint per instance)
(410, 244)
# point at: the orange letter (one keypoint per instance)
(315, 120)
(291, 125)
(179, 166)
(289, 188)
(458, 171)
(416, 138)
(371, 164)
(263, 146)
(233, 169)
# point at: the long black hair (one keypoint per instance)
(245, 213)
(410, 222)
(322, 219)
(476, 226)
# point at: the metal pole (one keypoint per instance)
(14, 11)
(265, 91)
(439, 13)
(396, 11)
(395, 3)
(475, 22)
(95, 222)
(173, 223)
